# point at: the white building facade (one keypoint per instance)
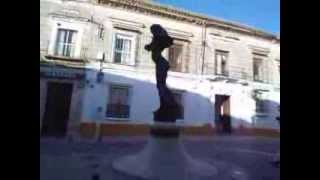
(223, 74)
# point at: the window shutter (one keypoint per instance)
(124, 48)
(175, 57)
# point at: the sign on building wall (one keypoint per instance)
(62, 74)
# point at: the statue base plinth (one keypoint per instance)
(164, 158)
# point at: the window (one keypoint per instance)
(179, 99)
(118, 105)
(175, 57)
(221, 59)
(261, 106)
(65, 43)
(257, 69)
(123, 49)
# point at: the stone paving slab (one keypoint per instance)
(61, 159)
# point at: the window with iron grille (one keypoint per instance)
(179, 99)
(261, 106)
(257, 69)
(118, 105)
(221, 62)
(123, 49)
(66, 42)
(175, 57)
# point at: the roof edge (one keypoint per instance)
(191, 17)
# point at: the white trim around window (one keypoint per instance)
(127, 41)
(129, 101)
(56, 25)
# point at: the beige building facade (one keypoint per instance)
(224, 74)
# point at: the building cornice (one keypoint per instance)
(182, 15)
(259, 50)
(125, 24)
(51, 61)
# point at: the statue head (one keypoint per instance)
(160, 34)
(157, 29)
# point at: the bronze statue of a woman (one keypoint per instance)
(168, 109)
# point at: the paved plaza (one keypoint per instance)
(64, 160)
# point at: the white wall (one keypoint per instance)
(270, 121)
(199, 99)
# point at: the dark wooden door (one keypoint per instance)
(57, 108)
(222, 112)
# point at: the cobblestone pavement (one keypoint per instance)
(62, 160)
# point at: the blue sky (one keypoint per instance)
(261, 14)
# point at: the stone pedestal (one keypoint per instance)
(164, 158)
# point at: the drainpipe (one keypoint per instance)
(204, 38)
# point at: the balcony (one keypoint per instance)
(64, 58)
(52, 59)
